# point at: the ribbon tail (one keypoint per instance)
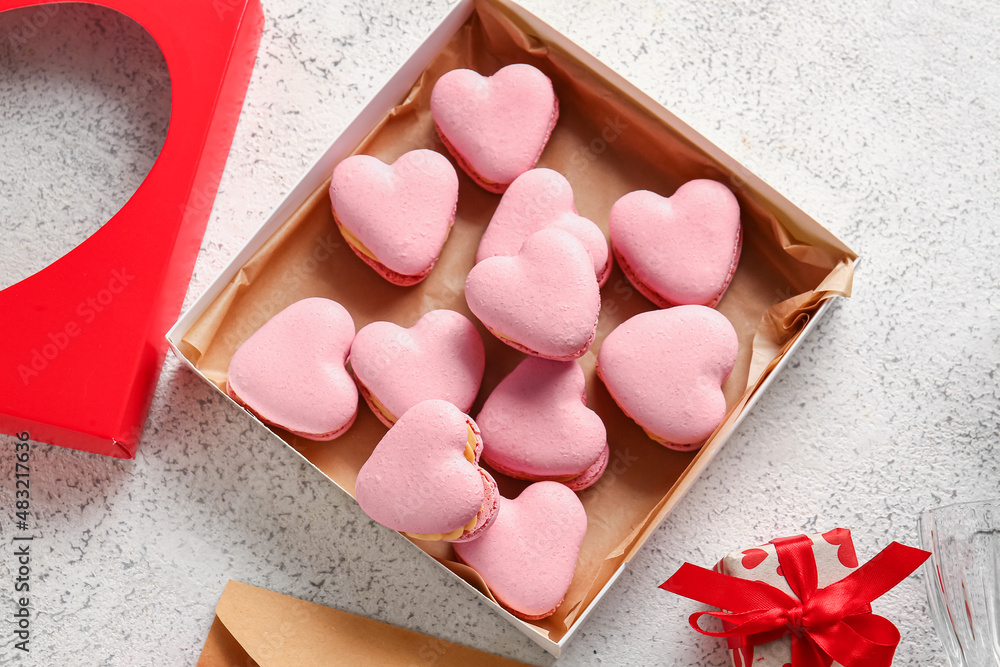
(805, 653)
(866, 640)
(844, 627)
(872, 580)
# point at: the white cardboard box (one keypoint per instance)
(394, 90)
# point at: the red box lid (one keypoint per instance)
(84, 338)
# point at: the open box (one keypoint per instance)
(610, 139)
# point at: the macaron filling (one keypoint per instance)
(480, 180)
(576, 481)
(355, 242)
(527, 350)
(528, 477)
(470, 454)
(382, 412)
(369, 258)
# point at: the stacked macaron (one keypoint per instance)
(536, 286)
(539, 268)
(537, 199)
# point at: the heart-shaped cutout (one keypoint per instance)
(537, 199)
(423, 478)
(528, 556)
(665, 369)
(536, 425)
(679, 250)
(441, 356)
(290, 373)
(544, 301)
(88, 357)
(497, 126)
(86, 107)
(396, 217)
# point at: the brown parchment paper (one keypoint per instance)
(275, 630)
(610, 139)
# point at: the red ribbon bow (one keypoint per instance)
(826, 624)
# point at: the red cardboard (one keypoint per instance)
(83, 340)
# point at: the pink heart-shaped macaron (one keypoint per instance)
(528, 556)
(423, 477)
(441, 356)
(536, 425)
(497, 126)
(537, 199)
(678, 250)
(665, 369)
(396, 217)
(544, 301)
(290, 372)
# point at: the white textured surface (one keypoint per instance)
(881, 121)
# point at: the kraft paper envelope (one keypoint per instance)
(254, 626)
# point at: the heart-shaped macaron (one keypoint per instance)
(536, 425)
(396, 217)
(678, 250)
(423, 478)
(528, 556)
(537, 199)
(290, 373)
(665, 369)
(497, 126)
(544, 301)
(441, 356)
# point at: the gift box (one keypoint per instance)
(610, 139)
(84, 348)
(800, 601)
(255, 626)
(835, 558)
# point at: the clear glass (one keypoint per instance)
(963, 579)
